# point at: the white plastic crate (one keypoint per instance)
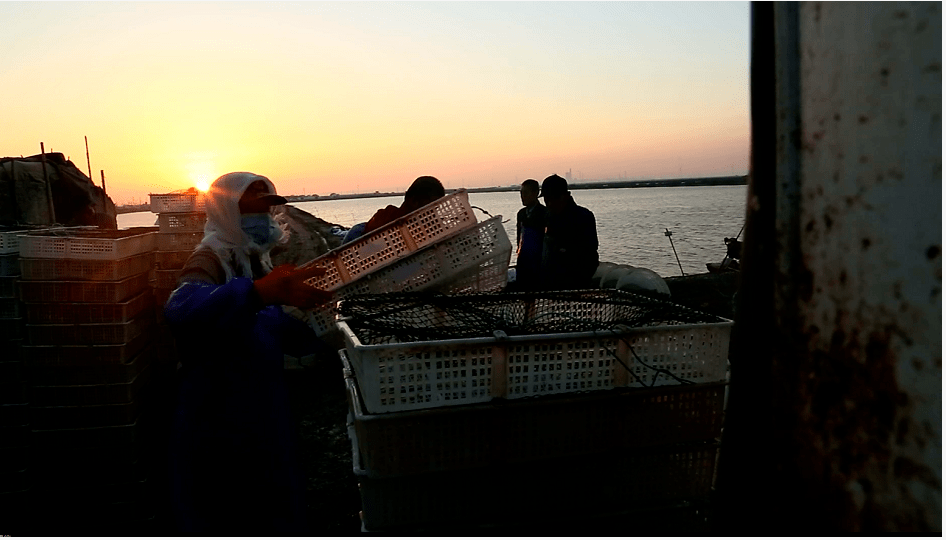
(192, 201)
(399, 376)
(102, 244)
(10, 243)
(430, 224)
(473, 260)
(172, 222)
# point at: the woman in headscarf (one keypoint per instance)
(234, 468)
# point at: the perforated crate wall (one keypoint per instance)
(101, 373)
(182, 222)
(509, 432)
(415, 375)
(85, 313)
(85, 270)
(8, 286)
(88, 334)
(90, 394)
(87, 355)
(83, 291)
(438, 220)
(177, 202)
(166, 279)
(10, 308)
(101, 244)
(180, 241)
(10, 265)
(171, 260)
(467, 261)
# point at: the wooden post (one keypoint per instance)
(102, 172)
(49, 189)
(87, 161)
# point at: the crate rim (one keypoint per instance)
(350, 336)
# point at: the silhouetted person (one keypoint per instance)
(233, 459)
(423, 191)
(530, 232)
(570, 245)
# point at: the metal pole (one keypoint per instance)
(102, 172)
(668, 234)
(49, 189)
(89, 163)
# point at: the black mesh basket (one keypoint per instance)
(405, 317)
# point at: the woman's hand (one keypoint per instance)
(285, 285)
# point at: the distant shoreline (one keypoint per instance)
(597, 184)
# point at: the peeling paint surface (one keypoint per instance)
(869, 288)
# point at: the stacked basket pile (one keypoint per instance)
(486, 409)
(14, 417)
(439, 247)
(181, 220)
(89, 352)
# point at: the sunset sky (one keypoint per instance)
(354, 97)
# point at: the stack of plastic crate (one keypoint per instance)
(531, 427)
(181, 220)
(88, 351)
(14, 418)
(438, 247)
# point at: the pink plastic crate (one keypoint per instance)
(83, 291)
(83, 269)
(178, 241)
(89, 334)
(80, 313)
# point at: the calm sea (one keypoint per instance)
(630, 221)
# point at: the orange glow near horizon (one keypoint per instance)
(173, 95)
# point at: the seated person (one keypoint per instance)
(422, 192)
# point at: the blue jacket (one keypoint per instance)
(234, 463)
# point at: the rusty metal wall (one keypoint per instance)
(859, 166)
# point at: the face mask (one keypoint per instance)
(259, 228)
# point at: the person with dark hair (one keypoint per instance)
(234, 467)
(423, 191)
(530, 231)
(570, 244)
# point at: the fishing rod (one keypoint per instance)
(668, 234)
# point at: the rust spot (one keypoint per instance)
(884, 72)
(896, 173)
(817, 135)
(932, 252)
(932, 68)
(921, 26)
(805, 284)
(842, 277)
(828, 221)
(837, 117)
(810, 226)
(863, 119)
(900, 15)
(864, 159)
(917, 364)
(897, 291)
(865, 243)
(836, 176)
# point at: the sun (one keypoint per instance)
(202, 182)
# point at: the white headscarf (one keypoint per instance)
(223, 233)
